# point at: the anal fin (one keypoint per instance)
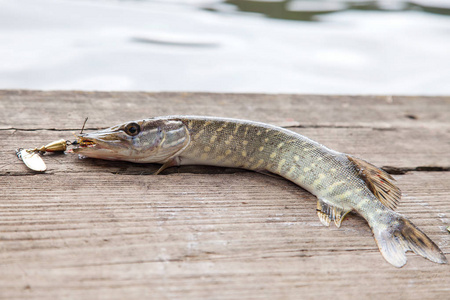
(328, 212)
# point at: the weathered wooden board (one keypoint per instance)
(93, 229)
(67, 110)
(403, 148)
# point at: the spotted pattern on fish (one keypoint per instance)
(341, 182)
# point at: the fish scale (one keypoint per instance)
(277, 149)
(341, 182)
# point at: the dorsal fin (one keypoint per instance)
(379, 182)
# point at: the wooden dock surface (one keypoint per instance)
(92, 229)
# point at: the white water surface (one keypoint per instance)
(167, 46)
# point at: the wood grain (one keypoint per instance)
(94, 229)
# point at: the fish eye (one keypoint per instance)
(132, 129)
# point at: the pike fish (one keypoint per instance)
(341, 182)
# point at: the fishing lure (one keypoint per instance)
(32, 159)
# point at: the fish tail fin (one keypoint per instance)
(400, 236)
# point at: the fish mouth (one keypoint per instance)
(83, 143)
(98, 146)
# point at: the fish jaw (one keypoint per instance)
(154, 141)
(102, 145)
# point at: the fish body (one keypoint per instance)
(341, 182)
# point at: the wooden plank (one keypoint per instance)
(407, 148)
(95, 229)
(246, 235)
(68, 109)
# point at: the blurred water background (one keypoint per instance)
(268, 46)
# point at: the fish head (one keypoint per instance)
(144, 141)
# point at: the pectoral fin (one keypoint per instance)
(328, 212)
(173, 162)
